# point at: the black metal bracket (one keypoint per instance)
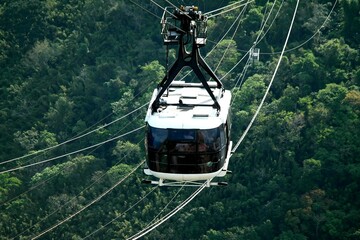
(193, 60)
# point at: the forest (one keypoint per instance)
(75, 81)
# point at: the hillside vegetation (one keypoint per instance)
(69, 67)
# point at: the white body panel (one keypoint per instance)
(197, 117)
(182, 177)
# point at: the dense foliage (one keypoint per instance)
(70, 67)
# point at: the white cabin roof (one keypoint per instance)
(190, 114)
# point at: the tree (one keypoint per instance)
(338, 58)
(127, 152)
(33, 139)
(42, 55)
(307, 74)
(60, 116)
(7, 185)
(351, 10)
(223, 58)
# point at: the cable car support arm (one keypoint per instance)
(192, 59)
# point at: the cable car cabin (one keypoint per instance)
(187, 139)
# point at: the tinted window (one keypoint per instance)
(182, 135)
(186, 150)
(186, 140)
(157, 137)
(210, 138)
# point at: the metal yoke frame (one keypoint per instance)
(191, 59)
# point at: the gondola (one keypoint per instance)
(187, 124)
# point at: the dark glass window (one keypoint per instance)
(157, 137)
(186, 150)
(182, 135)
(209, 138)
